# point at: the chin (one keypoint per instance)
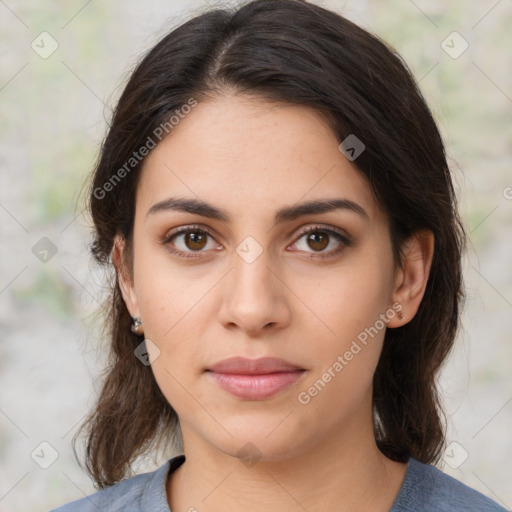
(255, 445)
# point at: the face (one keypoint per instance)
(263, 277)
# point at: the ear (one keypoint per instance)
(124, 276)
(412, 276)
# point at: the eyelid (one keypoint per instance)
(184, 229)
(328, 228)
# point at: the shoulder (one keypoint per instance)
(141, 492)
(125, 495)
(426, 488)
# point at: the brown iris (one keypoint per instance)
(318, 240)
(195, 240)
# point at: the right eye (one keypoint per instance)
(187, 240)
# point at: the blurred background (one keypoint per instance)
(62, 67)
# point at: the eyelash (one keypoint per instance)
(344, 239)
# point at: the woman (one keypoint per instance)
(274, 197)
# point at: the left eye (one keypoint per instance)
(319, 238)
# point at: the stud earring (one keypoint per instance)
(400, 315)
(136, 326)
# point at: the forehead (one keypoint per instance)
(252, 155)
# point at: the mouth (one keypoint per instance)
(254, 379)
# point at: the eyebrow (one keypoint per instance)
(289, 213)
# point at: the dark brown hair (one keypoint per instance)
(289, 51)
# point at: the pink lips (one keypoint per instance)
(254, 379)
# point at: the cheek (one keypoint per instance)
(342, 371)
(350, 304)
(163, 293)
(174, 303)
(351, 298)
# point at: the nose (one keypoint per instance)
(254, 297)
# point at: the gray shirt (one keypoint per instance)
(424, 489)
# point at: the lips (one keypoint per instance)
(254, 379)
(243, 366)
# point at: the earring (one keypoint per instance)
(399, 315)
(136, 326)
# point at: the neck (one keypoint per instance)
(345, 472)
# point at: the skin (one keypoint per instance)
(251, 158)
